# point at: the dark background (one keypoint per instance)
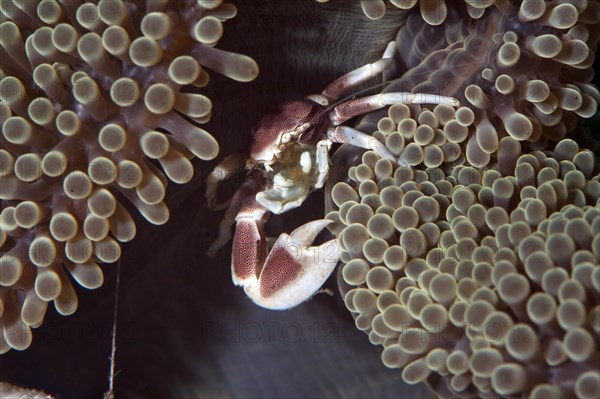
(184, 330)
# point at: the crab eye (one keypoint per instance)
(286, 137)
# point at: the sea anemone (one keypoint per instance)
(489, 280)
(516, 72)
(96, 99)
(435, 12)
(475, 263)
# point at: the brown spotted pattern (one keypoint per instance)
(285, 118)
(249, 249)
(281, 269)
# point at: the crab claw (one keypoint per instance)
(249, 250)
(293, 270)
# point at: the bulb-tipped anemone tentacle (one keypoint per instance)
(485, 278)
(484, 239)
(522, 69)
(91, 93)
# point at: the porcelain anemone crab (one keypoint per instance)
(287, 160)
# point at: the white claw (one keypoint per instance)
(306, 234)
(294, 271)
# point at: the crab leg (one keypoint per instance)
(342, 85)
(348, 135)
(351, 108)
(293, 271)
(242, 205)
(249, 251)
(229, 166)
(322, 160)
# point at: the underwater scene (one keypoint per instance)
(299, 198)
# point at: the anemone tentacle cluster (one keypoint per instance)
(489, 279)
(476, 264)
(94, 96)
(433, 136)
(435, 12)
(522, 75)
